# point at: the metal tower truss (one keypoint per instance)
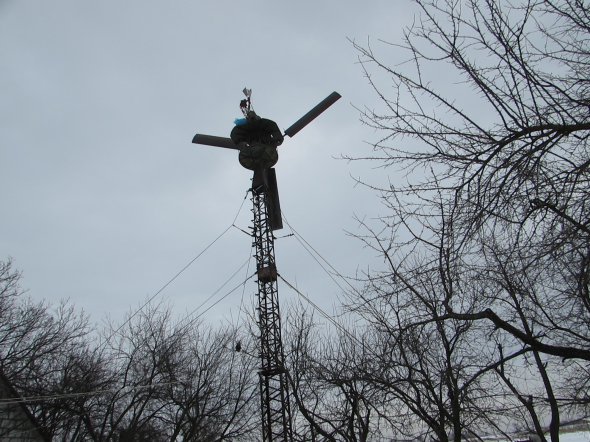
(257, 140)
(274, 389)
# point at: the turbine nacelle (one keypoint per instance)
(257, 140)
(228, 143)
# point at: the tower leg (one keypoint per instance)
(274, 388)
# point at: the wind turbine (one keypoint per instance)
(257, 140)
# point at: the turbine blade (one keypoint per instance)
(273, 202)
(312, 114)
(211, 140)
(265, 181)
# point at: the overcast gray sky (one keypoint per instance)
(104, 196)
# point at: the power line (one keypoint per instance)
(182, 270)
(243, 283)
(307, 247)
(321, 311)
(224, 296)
(29, 399)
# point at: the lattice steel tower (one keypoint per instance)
(257, 140)
(274, 388)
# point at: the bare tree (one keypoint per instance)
(216, 397)
(515, 171)
(334, 401)
(493, 189)
(441, 371)
(151, 378)
(175, 380)
(40, 348)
